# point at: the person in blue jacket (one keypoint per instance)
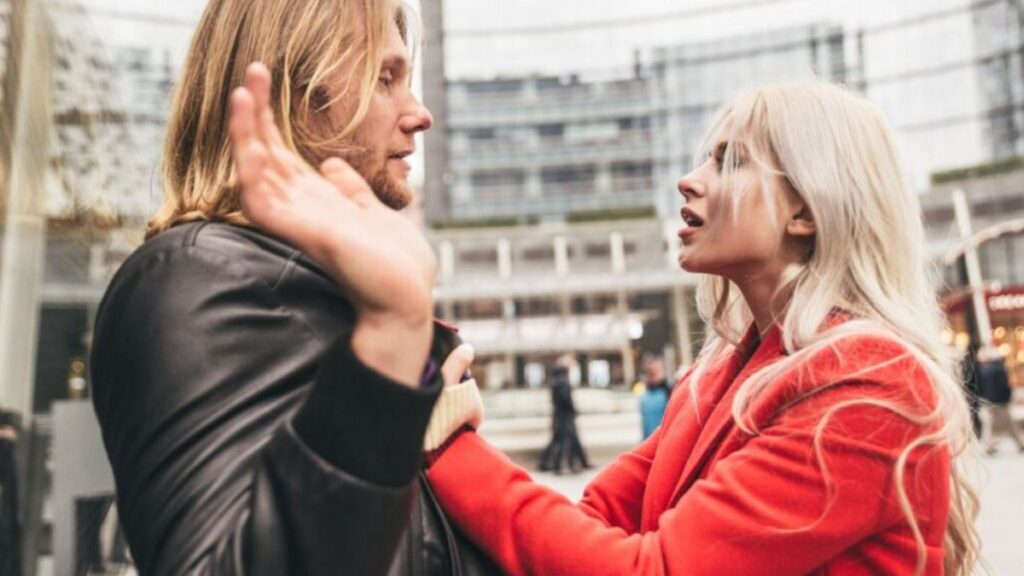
(656, 393)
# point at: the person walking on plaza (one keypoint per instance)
(994, 383)
(260, 419)
(565, 439)
(820, 429)
(655, 395)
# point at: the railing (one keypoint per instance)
(484, 206)
(549, 151)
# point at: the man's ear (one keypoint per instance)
(800, 223)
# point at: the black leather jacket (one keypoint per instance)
(245, 436)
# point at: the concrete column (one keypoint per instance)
(681, 314)
(603, 181)
(446, 261)
(534, 187)
(628, 365)
(561, 257)
(24, 238)
(504, 259)
(508, 312)
(438, 175)
(618, 253)
(963, 220)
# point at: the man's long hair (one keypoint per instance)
(305, 44)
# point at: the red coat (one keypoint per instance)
(703, 497)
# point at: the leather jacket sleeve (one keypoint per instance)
(242, 440)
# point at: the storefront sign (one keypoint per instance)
(1006, 302)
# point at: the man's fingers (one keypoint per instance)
(456, 364)
(250, 162)
(346, 179)
(242, 126)
(257, 80)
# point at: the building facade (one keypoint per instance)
(559, 233)
(604, 291)
(995, 197)
(541, 148)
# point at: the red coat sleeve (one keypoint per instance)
(616, 495)
(766, 508)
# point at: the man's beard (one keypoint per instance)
(393, 192)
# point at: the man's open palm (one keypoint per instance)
(377, 255)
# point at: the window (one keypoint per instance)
(479, 256)
(478, 134)
(551, 131)
(539, 254)
(569, 174)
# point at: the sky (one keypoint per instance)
(485, 39)
(482, 39)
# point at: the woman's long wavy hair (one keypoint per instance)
(838, 153)
(304, 44)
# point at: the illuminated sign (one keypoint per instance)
(1006, 302)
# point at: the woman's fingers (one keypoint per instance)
(456, 364)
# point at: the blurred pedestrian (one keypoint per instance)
(969, 376)
(655, 395)
(994, 382)
(10, 530)
(565, 440)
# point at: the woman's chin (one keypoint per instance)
(688, 263)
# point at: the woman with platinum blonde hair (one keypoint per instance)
(821, 428)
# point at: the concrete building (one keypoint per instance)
(539, 148)
(604, 290)
(995, 195)
(575, 177)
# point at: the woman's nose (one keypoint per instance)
(690, 187)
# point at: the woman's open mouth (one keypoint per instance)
(692, 222)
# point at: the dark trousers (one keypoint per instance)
(565, 442)
(10, 537)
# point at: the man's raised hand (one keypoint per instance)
(378, 257)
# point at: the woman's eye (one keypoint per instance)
(387, 79)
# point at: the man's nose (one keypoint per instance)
(417, 119)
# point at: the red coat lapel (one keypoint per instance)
(720, 422)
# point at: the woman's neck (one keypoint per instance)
(759, 292)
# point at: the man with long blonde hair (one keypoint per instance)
(255, 422)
